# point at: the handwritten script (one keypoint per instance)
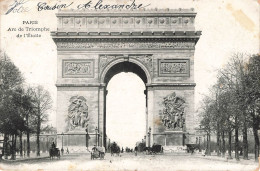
(19, 6)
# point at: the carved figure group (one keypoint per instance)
(173, 111)
(77, 113)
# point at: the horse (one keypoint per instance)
(115, 150)
(54, 152)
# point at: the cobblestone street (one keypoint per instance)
(130, 162)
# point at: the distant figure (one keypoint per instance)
(53, 145)
(67, 151)
(162, 149)
(62, 151)
(122, 150)
(135, 150)
(94, 148)
(203, 152)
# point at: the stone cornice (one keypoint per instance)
(147, 34)
(147, 85)
(171, 85)
(81, 85)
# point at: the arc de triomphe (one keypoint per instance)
(157, 45)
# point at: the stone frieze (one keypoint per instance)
(77, 68)
(174, 67)
(125, 45)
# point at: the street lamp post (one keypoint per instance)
(96, 130)
(101, 139)
(87, 138)
(199, 144)
(149, 136)
(108, 147)
(62, 150)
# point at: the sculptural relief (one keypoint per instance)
(77, 113)
(78, 68)
(173, 112)
(174, 67)
(146, 60)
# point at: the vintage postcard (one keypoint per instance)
(129, 85)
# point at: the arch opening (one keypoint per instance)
(125, 67)
(125, 74)
(125, 111)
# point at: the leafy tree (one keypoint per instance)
(42, 103)
(253, 97)
(10, 79)
(235, 103)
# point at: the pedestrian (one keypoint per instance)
(135, 150)
(67, 151)
(94, 148)
(203, 152)
(53, 145)
(162, 149)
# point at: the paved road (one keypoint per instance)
(130, 162)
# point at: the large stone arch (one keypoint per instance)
(158, 44)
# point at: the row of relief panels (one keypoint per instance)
(125, 22)
(84, 68)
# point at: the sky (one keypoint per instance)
(228, 27)
(126, 109)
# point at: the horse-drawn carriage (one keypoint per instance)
(54, 152)
(115, 149)
(98, 152)
(155, 149)
(192, 147)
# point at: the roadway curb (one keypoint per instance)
(22, 160)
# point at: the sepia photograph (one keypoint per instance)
(133, 85)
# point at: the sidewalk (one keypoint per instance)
(25, 158)
(225, 159)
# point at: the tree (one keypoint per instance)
(24, 103)
(12, 123)
(42, 103)
(235, 73)
(10, 78)
(236, 103)
(206, 123)
(253, 97)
